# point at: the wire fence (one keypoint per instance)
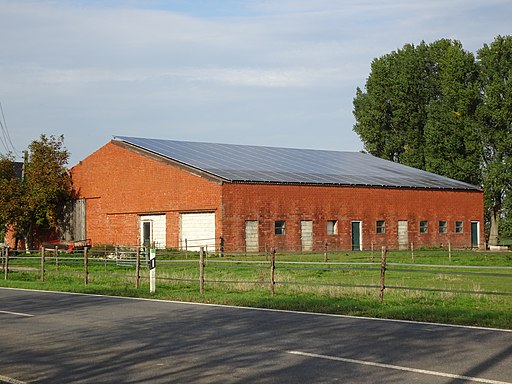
(328, 245)
(380, 273)
(333, 245)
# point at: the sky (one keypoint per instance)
(263, 72)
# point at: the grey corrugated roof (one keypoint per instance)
(257, 164)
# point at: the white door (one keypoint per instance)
(197, 230)
(306, 234)
(251, 236)
(403, 234)
(153, 230)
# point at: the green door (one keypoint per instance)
(356, 235)
(474, 235)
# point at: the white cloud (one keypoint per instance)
(276, 72)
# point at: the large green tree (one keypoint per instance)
(40, 196)
(495, 117)
(418, 109)
(452, 145)
(391, 114)
(10, 192)
(436, 107)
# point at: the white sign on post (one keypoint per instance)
(152, 270)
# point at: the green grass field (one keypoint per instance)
(461, 287)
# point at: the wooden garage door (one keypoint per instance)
(197, 230)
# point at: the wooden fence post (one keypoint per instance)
(412, 251)
(42, 263)
(86, 266)
(56, 259)
(137, 269)
(6, 263)
(325, 252)
(272, 271)
(449, 250)
(382, 274)
(372, 248)
(201, 270)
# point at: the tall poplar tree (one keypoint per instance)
(391, 114)
(452, 142)
(418, 109)
(495, 117)
(437, 108)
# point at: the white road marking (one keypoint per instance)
(266, 310)
(17, 313)
(397, 367)
(10, 380)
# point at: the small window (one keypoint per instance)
(332, 227)
(280, 227)
(459, 227)
(380, 226)
(424, 226)
(443, 227)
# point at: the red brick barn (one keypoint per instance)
(178, 194)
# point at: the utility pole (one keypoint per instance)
(24, 168)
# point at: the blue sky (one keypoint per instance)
(262, 72)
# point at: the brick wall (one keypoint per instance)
(120, 185)
(267, 203)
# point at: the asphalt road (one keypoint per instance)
(71, 338)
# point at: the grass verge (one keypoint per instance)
(462, 309)
(349, 286)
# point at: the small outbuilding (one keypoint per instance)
(241, 198)
(18, 169)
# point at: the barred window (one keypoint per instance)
(332, 227)
(380, 226)
(280, 227)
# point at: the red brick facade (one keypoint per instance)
(119, 185)
(267, 203)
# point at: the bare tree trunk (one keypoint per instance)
(27, 248)
(493, 231)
